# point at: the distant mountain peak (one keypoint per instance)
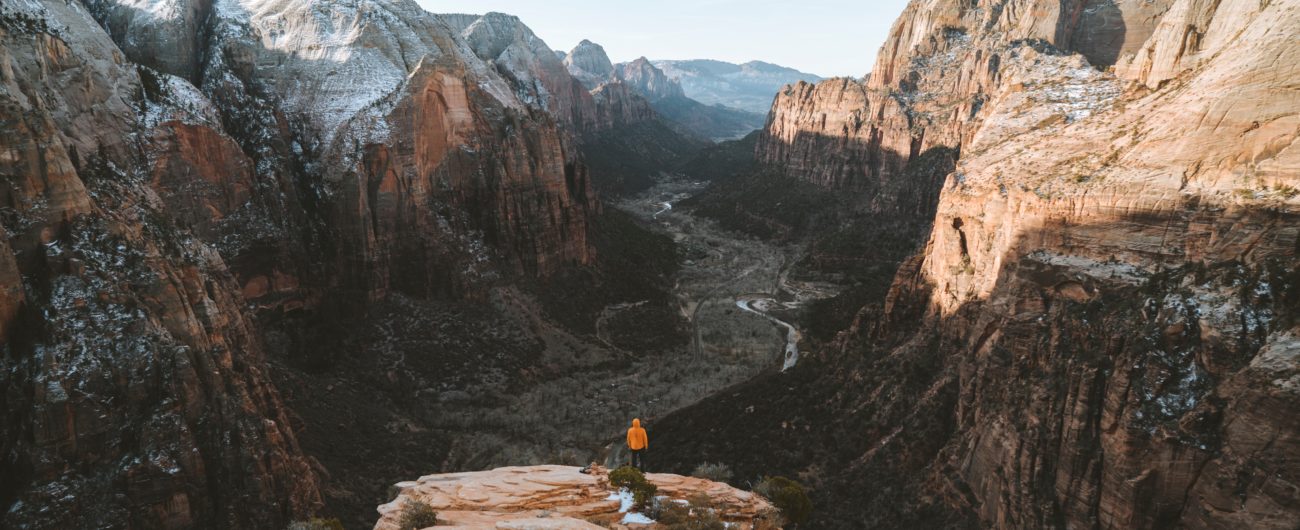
(648, 79)
(589, 63)
(749, 86)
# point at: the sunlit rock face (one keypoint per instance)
(560, 497)
(929, 91)
(1099, 330)
(1154, 235)
(1111, 278)
(314, 95)
(588, 63)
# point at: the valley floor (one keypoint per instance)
(414, 394)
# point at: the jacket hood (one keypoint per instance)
(636, 422)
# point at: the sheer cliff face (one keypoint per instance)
(135, 391)
(308, 153)
(1101, 329)
(1110, 287)
(312, 97)
(432, 174)
(1154, 240)
(927, 93)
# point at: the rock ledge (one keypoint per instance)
(542, 497)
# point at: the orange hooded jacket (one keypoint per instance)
(636, 438)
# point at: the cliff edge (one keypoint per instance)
(550, 496)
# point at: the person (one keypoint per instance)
(637, 442)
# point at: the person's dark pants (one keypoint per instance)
(637, 461)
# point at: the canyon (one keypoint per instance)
(265, 259)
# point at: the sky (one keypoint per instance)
(823, 37)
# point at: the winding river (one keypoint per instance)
(758, 304)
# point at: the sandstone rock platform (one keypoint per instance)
(551, 496)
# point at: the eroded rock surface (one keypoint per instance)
(537, 497)
(163, 203)
(588, 62)
(1091, 336)
(135, 386)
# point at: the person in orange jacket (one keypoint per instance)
(637, 442)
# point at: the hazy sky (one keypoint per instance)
(823, 37)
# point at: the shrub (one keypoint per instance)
(788, 496)
(716, 472)
(626, 477)
(643, 492)
(643, 495)
(677, 516)
(416, 515)
(317, 523)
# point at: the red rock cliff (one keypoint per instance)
(135, 388)
(1109, 293)
(926, 95)
(1100, 330)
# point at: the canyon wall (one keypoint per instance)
(183, 175)
(423, 168)
(135, 387)
(1100, 329)
(1124, 281)
(928, 91)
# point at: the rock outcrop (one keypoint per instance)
(532, 67)
(539, 497)
(650, 81)
(588, 63)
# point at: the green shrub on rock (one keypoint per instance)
(416, 515)
(626, 477)
(643, 495)
(643, 492)
(788, 496)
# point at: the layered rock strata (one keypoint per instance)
(1101, 328)
(135, 388)
(202, 163)
(557, 497)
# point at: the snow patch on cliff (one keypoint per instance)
(1101, 270)
(179, 100)
(161, 10)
